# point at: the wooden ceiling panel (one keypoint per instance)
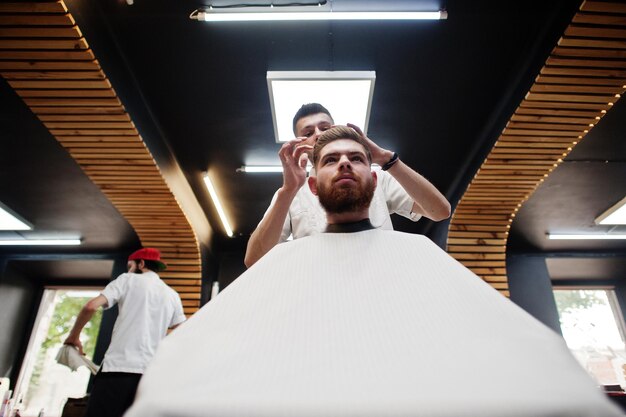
(582, 79)
(48, 63)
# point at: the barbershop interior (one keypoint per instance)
(129, 124)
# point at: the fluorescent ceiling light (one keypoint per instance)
(11, 221)
(213, 16)
(346, 94)
(553, 236)
(39, 242)
(262, 169)
(218, 205)
(614, 215)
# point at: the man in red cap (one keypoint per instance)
(147, 309)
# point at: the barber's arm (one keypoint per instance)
(267, 234)
(86, 313)
(427, 200)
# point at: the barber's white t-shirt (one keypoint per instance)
(147, 308)
(307, 217)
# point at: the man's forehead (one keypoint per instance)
(342, 146)
(313, 120)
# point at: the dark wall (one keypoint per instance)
(531, 288)
(18, 298)
(210, 272)
(231, 266)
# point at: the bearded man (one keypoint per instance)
(359, 321)
(296, 212)
(345, 184)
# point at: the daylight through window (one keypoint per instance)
(592, 325)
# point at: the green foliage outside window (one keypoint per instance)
(63, 318)
(568, 301)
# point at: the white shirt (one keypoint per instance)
(147, 308)
(306, 216)
(368, 324)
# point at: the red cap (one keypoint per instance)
(148, 254)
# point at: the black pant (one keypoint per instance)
(112, 394)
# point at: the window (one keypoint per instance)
(43, 384)
(592, 325)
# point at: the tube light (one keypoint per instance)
(264, 169)
(586, 237)
(287, 16)
(260, 169)
(39, 242)
(218, 205)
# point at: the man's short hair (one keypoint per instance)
(153, 266)
(336, 133)
(307, 110)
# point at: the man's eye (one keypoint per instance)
(308, 134)
(329, 160)
(357, 158)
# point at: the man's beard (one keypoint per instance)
(338, 200)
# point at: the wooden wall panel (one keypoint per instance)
(582, 78)
(47, 61)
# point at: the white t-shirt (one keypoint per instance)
(307, 217)
(368, 324)
(147, 308)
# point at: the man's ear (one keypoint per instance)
(313, 185)
(141, 264)
(374, 179)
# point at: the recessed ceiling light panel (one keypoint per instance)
(614, 215)
(346, 94)
(11, 221)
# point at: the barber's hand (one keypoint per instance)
(293, 156)
(380, 156)
(75, 342)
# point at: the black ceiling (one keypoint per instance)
(444, 91)
(51, 270)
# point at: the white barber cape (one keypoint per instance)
(373, 323)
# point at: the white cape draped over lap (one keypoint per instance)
(374, 323)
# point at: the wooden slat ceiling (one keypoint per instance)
(582, 78)
(49, 64)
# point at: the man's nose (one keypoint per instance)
(318, 132)
(344, 162)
